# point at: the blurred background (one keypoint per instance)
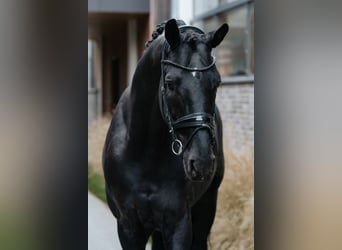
(117, 32)
(44, 124)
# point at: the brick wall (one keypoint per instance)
(236, 104)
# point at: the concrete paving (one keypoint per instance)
(102, 227)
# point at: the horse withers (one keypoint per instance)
(163, 158)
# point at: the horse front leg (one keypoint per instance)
(132, 238)
(177, 231)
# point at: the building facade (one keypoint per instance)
(235, 62)
(117, 31)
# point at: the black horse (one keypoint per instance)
(163, 159)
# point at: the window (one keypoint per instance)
(227, 1)
(202, 6)
(235, 55)
(231, 54)
(91, 64)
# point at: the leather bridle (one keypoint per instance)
(196, 121)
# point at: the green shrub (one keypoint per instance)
(96, 184)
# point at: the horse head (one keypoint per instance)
(188, 86)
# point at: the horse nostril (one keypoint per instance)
(199, 168)
(192, 168)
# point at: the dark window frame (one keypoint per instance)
(221, 9)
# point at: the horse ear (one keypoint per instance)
(172, 33)
(218, 35)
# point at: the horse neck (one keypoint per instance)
(145, 121)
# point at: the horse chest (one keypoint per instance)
(147, 202)
(151, 185)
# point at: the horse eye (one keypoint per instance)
(217, 84)
(171, 85)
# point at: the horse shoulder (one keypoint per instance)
(116, 139)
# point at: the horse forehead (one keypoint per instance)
(196, 74)
(200, 49)
(197, 98)
(193, 37)
(196, 86)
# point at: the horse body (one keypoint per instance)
(147, 187)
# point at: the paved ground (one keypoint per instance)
(102, 232)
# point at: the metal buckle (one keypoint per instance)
(177, 143)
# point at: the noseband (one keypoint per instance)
(196, 121)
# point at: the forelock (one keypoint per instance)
(191, 37)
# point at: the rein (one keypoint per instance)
(197, 121)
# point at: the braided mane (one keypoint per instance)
(159, 30)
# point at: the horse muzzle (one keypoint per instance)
(199, 168)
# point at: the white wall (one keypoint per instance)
(182, 9)
(236, 105)
(132, 48)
